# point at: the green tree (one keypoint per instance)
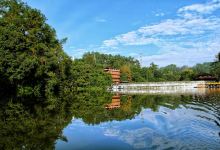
(171, 73)
(126, 71)
(87, 75)
(187, 74)
(32, 61)
(216, 66)
(204, 68)
(152, 72)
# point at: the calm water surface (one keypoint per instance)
(107, 121)
(143, 122)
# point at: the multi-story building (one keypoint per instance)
(115, 74)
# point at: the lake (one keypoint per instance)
(147, 122)
(97, 121)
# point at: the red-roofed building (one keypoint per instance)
(115, 74)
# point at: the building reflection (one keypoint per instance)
(213, 91)
(116, 102)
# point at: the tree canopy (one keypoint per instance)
(132, 71)
(32, 60)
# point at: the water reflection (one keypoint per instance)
(148, 122)
(115, 102)
(95, 120)
(23, 127)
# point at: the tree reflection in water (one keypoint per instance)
(25, 125)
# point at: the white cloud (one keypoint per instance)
(192, 37)
(181, 27)
(134, 38)
(154, 131)
(130, 38)
(176, 54)
(201, 8)
(150, 34)
(127, 38)
(188, 24)
(110, 43)
(168, 27)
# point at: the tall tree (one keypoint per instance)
(216, 66)
(32, 60)
(125, 70)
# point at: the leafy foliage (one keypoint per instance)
(132, 71)
(87, 75)
(32, 61)
(216, 66)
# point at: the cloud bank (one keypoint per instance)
(192, 37)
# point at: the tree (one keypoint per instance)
(187, 74)
(125, 70)
(32, 60)
(153, 72)
(218, 57)
(216, 66)
(171, 73)
(87, 75)
(204, 68)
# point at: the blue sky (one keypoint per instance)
(182, 32)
